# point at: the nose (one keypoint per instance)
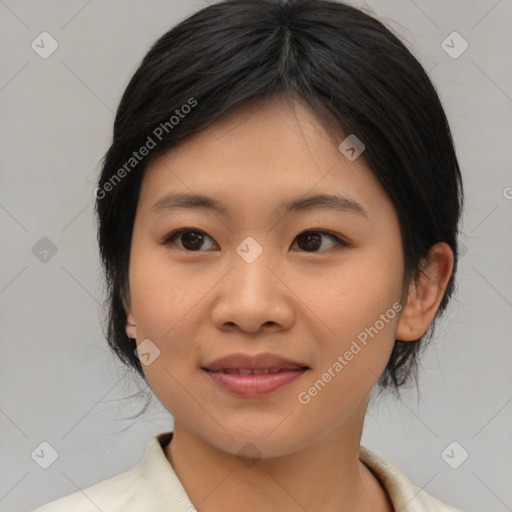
(253, 296)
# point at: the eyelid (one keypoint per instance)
(338, 239)
(328, 234)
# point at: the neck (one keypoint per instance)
(324, 476)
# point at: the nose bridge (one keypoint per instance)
(252, 294)
(252, 273)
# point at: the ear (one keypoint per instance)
(426, 293)
(131, 329)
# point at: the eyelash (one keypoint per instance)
(169, 240)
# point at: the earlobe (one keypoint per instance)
(130, 321)
(131, 331)
(425, 294)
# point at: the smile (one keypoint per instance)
(250, 383)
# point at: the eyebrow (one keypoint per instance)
(304, 204)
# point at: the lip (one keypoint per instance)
(256, 362)
(253, 385)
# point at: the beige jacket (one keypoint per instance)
(153, 486)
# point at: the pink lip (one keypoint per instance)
(254, 385)
(258, 362)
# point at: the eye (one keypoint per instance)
(313, 239)
(193, 239)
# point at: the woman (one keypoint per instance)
(278, 217)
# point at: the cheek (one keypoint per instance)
(162, 294)
(167, 307)
(358, 307)
(352, 296)
(349, 360)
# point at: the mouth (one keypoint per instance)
(254, 383)
(251, 376)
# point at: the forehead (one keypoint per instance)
(267, 154)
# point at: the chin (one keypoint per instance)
(257, 443)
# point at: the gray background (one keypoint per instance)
(58, 381)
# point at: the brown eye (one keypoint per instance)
(312, 240)
(191, 239)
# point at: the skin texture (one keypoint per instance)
(306, 301)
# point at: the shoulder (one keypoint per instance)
(151, 486)
(404, 495)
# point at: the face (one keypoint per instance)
(318, 284)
